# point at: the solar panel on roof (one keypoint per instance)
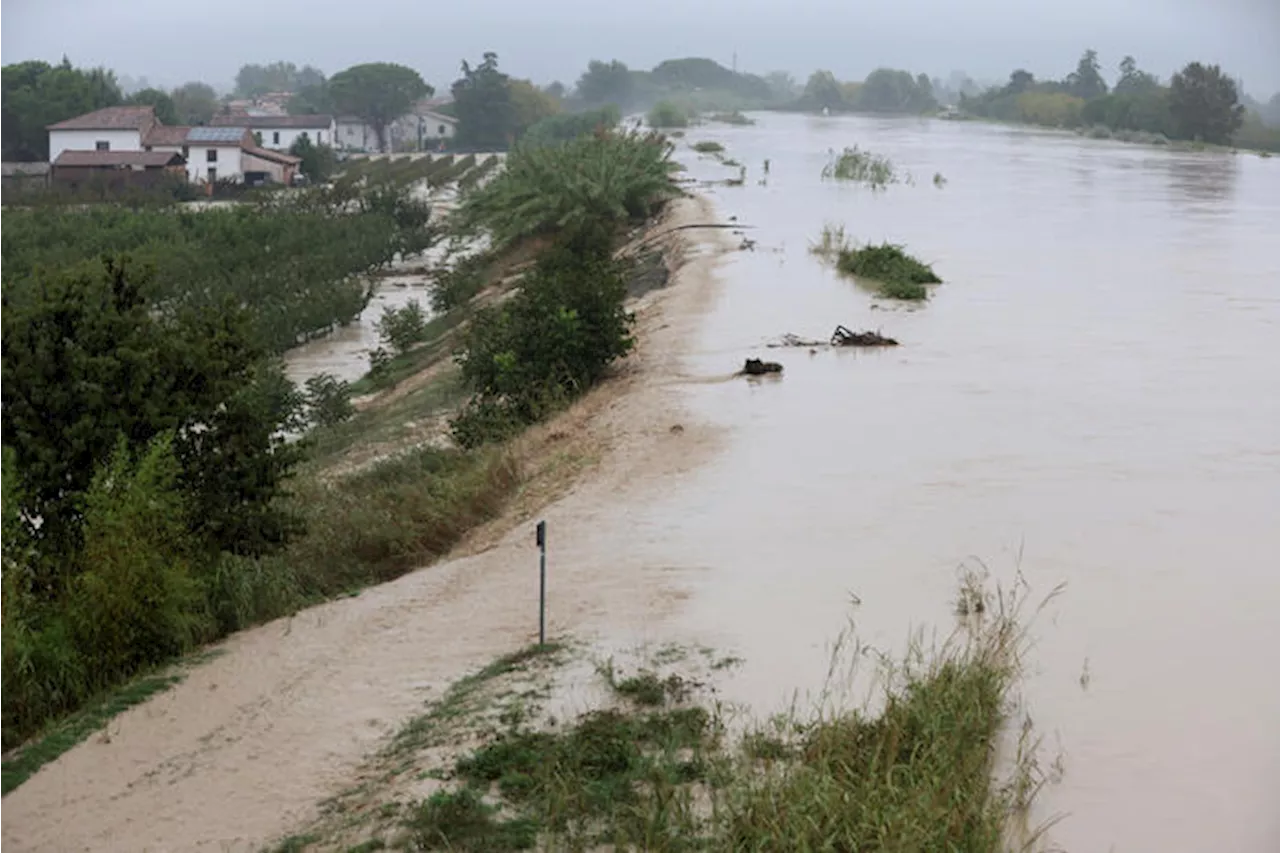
(215, 134)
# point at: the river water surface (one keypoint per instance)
(1093, 394)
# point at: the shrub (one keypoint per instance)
(734, 117)
(899, 275)
(854, 164)
(401, 328)
(708, 146)
(549, 343)
(666, 114)
(565, 127)
(328, 400)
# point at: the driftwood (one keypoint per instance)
(756, 367)
(843, 337)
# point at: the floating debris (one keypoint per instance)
(844, 337)
(790, 340)
(756, 367)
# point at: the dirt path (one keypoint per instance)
(245, 748)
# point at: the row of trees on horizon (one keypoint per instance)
(494, 109)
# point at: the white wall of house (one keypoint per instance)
(227, 163)
(282, 138)
(355, 136)
(87, 140)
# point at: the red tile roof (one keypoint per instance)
(111, 118)
(276, 156)
(109, 159)
(273, 122)
(163, 134)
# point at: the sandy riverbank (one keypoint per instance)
(245, 749)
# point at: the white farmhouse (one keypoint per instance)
(416, 130)
(108, 129)
(229, 154)
(280, 132)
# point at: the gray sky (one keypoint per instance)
(169, 42)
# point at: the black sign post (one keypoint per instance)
(542, 583)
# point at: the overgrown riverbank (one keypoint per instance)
(657, 764)
(139, 572)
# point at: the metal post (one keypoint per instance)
(542, 583)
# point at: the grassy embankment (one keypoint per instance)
(658, 765)
(372, 496)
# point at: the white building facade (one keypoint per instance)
(281, 132)
(110, 129)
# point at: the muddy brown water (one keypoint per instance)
(1093, 394)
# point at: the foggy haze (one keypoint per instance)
(169, 43)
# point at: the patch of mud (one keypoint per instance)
(248, 746)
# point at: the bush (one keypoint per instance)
(595, 181)
(854, 164)
(328, 400)
(565, 127)
(666, 114)
(549, 343)
(401, 328)
(708, 146)
(900, 276)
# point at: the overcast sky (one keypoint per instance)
(170, 42)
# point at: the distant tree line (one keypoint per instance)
(1200, 102)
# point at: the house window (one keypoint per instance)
(211, 156)
(213, 176)
(146, 148)
(275, 138)
(442, 130)
(320, 137)
(186, 151)
(102, 145)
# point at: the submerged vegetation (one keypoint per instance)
(658, 767)
(863, 167)
(897, 274)
(708, 146)
(668, 114)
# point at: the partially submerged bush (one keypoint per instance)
(831, 243)
(708, 146)
(734, 117)
(899, 275)
(594, 181)
(667, 114)
(864, 167)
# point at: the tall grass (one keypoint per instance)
(832, 242)
(864, 167)
(915, 769)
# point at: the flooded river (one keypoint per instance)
(1093, 394)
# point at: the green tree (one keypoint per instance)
(606, 83)
(163, 103)
(1019, 81)
(253, 80)
(318, 161)
(823, 90)
(311, 100)
(556, 90)
(890, 91)
(378, 93)
(483, 102)
(194, 103)
(1133, 80)
(87, 359)
(36, 94)
(1204, 104)
(530, 105)
(782, 86)
(1086, 81)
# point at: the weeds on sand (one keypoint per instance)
(898, 275)
(864, 167)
